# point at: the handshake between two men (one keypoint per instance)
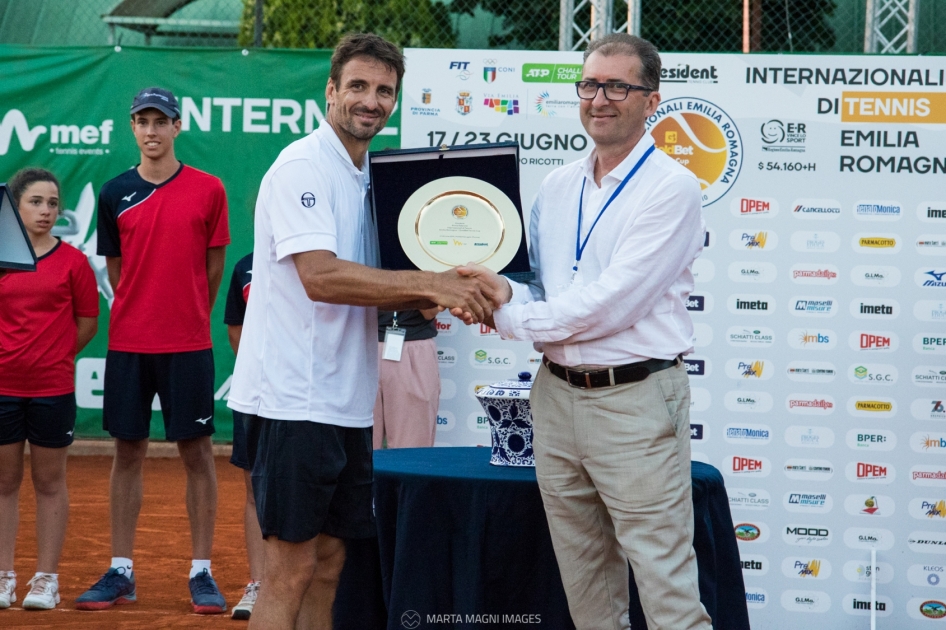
(480, 292)
(471, 292)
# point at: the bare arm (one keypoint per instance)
(87, 326)
(328, 279)
(234, 333)
(113, 265)
(215, 258)
(430, 313)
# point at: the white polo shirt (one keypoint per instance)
(629, 303)
(299, 359)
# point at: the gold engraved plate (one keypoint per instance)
(453, 221)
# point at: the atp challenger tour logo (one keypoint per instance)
(703, 138)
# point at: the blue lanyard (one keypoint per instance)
(579, 245)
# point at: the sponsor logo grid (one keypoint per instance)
(819, 374)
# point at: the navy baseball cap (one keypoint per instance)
(156, 98)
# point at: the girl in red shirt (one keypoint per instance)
(46, 318)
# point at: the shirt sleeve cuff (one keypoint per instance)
(520, 293)
(508, 320)
(310, 242)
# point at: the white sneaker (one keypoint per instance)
(7, 588)
(44, 594)
(244, 609)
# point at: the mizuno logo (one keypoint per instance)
(135, 205)
(938, 276)
(68, 432)
(204, 420)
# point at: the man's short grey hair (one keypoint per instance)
(632, 46)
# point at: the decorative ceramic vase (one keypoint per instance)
(510, 421)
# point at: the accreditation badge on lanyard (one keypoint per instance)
(580, 244)
(393, 341)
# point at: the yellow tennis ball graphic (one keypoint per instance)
(696, 142)
(701, 137)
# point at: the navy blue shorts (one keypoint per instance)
(239, 457)
(183, 381)
(47, 421)
(311, 478)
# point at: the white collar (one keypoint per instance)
(620, 171)
(327, 132)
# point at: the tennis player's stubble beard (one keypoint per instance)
(344, 120)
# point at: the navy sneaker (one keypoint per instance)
(115, 587)
(205, 596)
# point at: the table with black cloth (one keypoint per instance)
(458, 537)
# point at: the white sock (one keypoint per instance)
(199, 565)
(123, 563)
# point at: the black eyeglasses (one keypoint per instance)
(587, 90)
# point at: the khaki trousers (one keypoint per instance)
(613, 466)
(405, 411)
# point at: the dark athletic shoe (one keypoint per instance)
(205, 596)
(115, 587)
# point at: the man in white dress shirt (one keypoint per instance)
(613, 240)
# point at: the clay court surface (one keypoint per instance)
(162, 550)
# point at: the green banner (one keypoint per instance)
(66, 109)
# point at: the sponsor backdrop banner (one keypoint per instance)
(819, 372)
(66, 109)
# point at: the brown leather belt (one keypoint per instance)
(630, 373)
